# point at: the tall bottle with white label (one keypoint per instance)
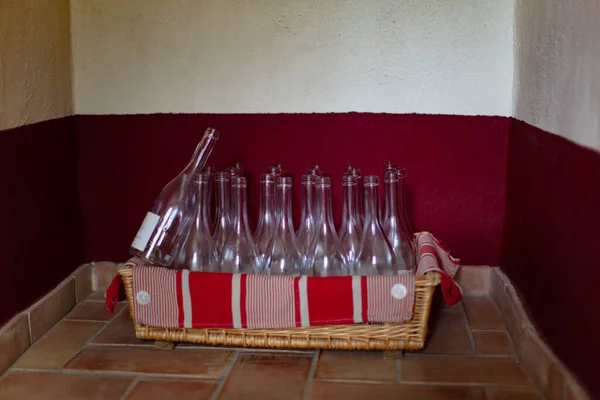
(165, 226)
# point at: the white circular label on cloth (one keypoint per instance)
(142, 297)
(399, 291)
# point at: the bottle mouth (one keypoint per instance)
(268, 178)
(211, 133)
(222, 176)
(371, 180)
(401, 172)
(389, 165)
(324, 181)
(348, 180)
(238, 181)
(210, 169)
(284, 181)
(203, 177)
(307, 178)
(391, 176)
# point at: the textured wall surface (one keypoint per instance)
(557, 67)
(35, 61)
(266, 56)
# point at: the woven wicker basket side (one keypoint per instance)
(409, 335)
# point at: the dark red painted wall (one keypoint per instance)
(39, 230)
(456, 167)
(551, 235)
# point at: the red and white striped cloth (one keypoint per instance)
(180, 298)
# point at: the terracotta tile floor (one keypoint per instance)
(92, 355)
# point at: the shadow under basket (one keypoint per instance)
(408, 335)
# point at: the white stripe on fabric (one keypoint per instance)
(357, 299)
(303, 290)
(236, 282)
(187, 299)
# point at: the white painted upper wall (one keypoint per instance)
(557, 67)
(35, 61)
(269, 56)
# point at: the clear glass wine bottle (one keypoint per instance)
(376, 255)
(392, 224)
(326, 254)
(239, 253)
(283, 256)
(267, 218)
(198, 252)
(159, 238)
(350, 230)
(306, 231)
(222, 219)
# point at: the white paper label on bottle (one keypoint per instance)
(145, 231)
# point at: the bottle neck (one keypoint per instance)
(201, 215)
(324, 214)
(267, 202)
(371, 204)
(223, 188)
(350, 209)
(308, 200)
(284, 200)
(391, 199)
(201, 153)
(239, 217)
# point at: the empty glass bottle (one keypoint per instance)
(222, 219)
(392, 224)
(350, 230)
(159, 238)
(239, 253)
(306, 231)
(266, 219)
(283, 256)
(326, 254)
(376, 255)
(199, 252)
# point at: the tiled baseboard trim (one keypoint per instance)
(536, 358)
(28, 326)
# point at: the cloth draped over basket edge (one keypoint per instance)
(182, 299)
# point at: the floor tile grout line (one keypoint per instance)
(469, 331)
(84, 320)
(436, 383)
(226, 372)
(98, 332)
(117, 373)
(311, 373)
(130, 388)
(398, 363)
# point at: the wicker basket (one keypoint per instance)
(409, 335)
